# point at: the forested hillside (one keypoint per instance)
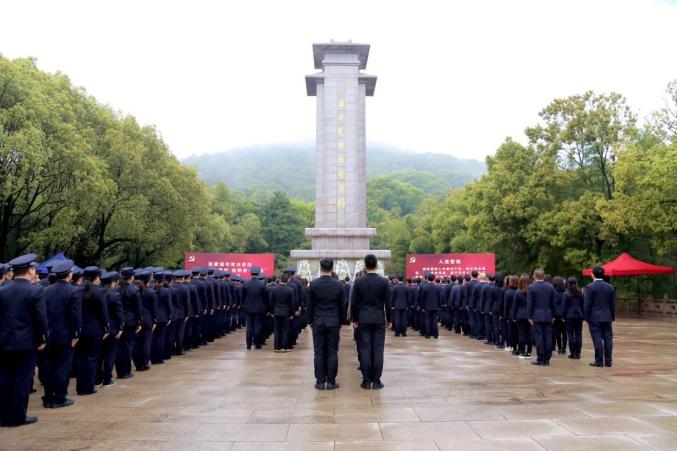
(258, 171)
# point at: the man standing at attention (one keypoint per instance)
(541, 308)
(370, 312)
(326, 313)
(599, 310)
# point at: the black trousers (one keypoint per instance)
(87, 353)
(17, 370)
(431, 329)
(499, 330)
(104, 370)
(603, 341)
(489, 327)
(526, 336)
(372, 344)
(123, 359)
(543, 338)
(188, 334)
(325, 346)
(559, 336)
(255, 329)
(282, 324)
(142, 344)
(168, 346)
(575, 334)
(481, 329)
(179, 334)
(56, 363)
(157, 350)
(400, 322)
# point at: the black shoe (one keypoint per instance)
(332, 385)
(599, 365)
(404, 335)
(427, 337)
(87, 394)
(365, 385)
(28, 420)
(608, 365)
(109, 383)
(249, 347)
(436, 338)
(538, 363)
(319, 386)
(126, 376)
(571, 356)
(66, 402)
(47, 405)
(258, 346)
(377, 385)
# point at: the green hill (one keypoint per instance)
(260, 170)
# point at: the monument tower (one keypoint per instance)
(340, 231)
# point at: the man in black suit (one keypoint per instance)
(470, 304)
(283, 306)
(63, 315)
(540, 309)
(430, 301)
(254, 299)
(370, 311)
(599, 310)
(326, 313)
(23, 332)
(399, 299)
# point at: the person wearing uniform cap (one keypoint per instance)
(165, 313)
(254, 296)
(24, 331)
(177, 315)
(63, 314)
(104, 370)
(4, 270)
(95, 329)
(131, 311)
(192, 338)
(149, 319)
(200, 321)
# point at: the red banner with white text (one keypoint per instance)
(237, 264)
(445, 265)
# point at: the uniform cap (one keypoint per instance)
(109, 277)
(127, 272)
(23, 261)
(203, 271)
(77, 272)
(91, 271)
(255, 271)
(290, 269)
(63, 267)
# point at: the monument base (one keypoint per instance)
(346, 262)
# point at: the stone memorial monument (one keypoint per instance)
(340, 230)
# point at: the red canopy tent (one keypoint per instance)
(627, 265)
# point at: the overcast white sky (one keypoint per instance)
(454, 77)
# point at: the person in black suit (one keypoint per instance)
(521, 316)
(23, 332)
(430, 302)
(371, 312)
(149, 320)
(165, 314)
(399, 299)
(470, 303)
(559, 336)
(254, 299)
(95, 329)
(326, 313)
(283, 306)
(572, 313)
(104, 370)
(63, 315)
(541, 309)
(131, 310)
(599, 310)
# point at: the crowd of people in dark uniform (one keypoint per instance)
(87, 323)
(514, 313)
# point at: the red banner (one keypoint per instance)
(237, 264)
(444, 265)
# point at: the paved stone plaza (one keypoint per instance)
(453, 393)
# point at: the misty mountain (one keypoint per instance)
(291, 168)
